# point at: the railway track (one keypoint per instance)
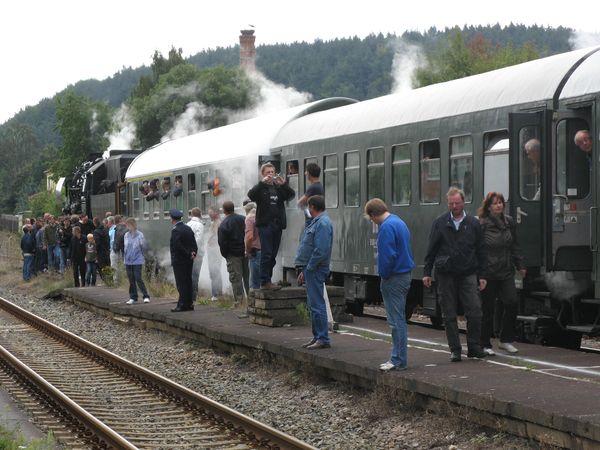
(91, 398)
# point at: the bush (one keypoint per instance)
(44, 202)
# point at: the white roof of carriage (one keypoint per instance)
(533, 81)
(245, 138)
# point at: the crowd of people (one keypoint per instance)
(472, 259)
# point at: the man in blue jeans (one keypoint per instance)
(28, 249)
(394, 263)
(313, 257)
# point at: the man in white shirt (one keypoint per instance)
(197, 227)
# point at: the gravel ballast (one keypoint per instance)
(322, 413)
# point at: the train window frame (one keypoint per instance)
(404, 162)
(435, 171)
(166, 201)
(204, 193)
(453, 158)
(496, 162)
(293, 180)
(571, 161)
(191, 193)
(327, 172)
(376, 166)
(526, 164)
(179, 200)
(351, 169)
(135, 197)
(307, 161)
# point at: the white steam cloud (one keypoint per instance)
(407, 58)
(584, 39)
(190, 122)
(124, 130)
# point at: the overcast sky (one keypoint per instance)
(46, 45)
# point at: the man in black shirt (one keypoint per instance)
(231, 243)
(183, 251)
(312, 173)
(269, 195)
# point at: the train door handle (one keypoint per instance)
(520, 213)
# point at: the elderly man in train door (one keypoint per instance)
(312, 259)
(456, 250)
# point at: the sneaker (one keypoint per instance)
(489, 351)
(213, 299)
(309, 343)
(131, 302)
(387, 366)
(146, 300)
(508, 347)
(318, 345)
(477, 354)
(270, 287)
(455, 357)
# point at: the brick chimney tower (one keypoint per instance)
(247, 50)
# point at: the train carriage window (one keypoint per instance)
(529, 163)
(146, 207)
(178, 192)
(429, 155)
(204, 193)
(135, 195)
(291, 174)
(495, 162)
(308, 161)
(352, 178)
(330, 181)
(401, 180)
(461, 165)
(166, 196)
(191, 192)
(376, 173)
(573, 162)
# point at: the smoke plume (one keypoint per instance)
(407, 58)
(190, 122)
(584, 39)
(123, 130)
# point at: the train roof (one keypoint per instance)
(248, 137)
(528, 83)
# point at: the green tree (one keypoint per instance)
(83, 125)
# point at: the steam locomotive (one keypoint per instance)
(408, 149)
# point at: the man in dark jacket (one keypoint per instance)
(456, 251)
(101, 238)
(77, 255)
(183, 251)
(28, 250)
(231, 243)
(269, 195)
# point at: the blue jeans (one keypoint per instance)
(270, 237)
(51, 257)
(90, 273)
(315, 285)
(134, 275)
(27, 267)
(255, 270)
(394, 291)
(59, 258)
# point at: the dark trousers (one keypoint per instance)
(183, 281)
(505, 292)
(453, 289)
(270, 237)
(78, 273)
(134, 275)
(237, 267)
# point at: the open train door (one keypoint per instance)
(530, 162)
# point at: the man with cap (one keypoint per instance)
(183, 251)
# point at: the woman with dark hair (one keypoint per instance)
(503, 256)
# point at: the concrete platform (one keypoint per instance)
(548, 394)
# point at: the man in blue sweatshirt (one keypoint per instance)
(313, 257)
(394, 263)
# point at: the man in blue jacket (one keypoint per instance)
(394, 264)
(313, 257)
(28, 249)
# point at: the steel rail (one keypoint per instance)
(262, 433)
(101, 430)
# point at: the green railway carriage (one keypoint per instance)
(409, 148)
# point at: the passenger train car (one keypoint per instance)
(408, 149)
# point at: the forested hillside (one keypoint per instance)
(352, 67)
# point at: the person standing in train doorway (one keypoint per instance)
(270, 195)
(183, 251)
(394, 264)
(456, 251)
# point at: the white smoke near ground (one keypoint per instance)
(191, 121)
(407, 58)
(563, 286)
(123, 130)
(584, 39)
